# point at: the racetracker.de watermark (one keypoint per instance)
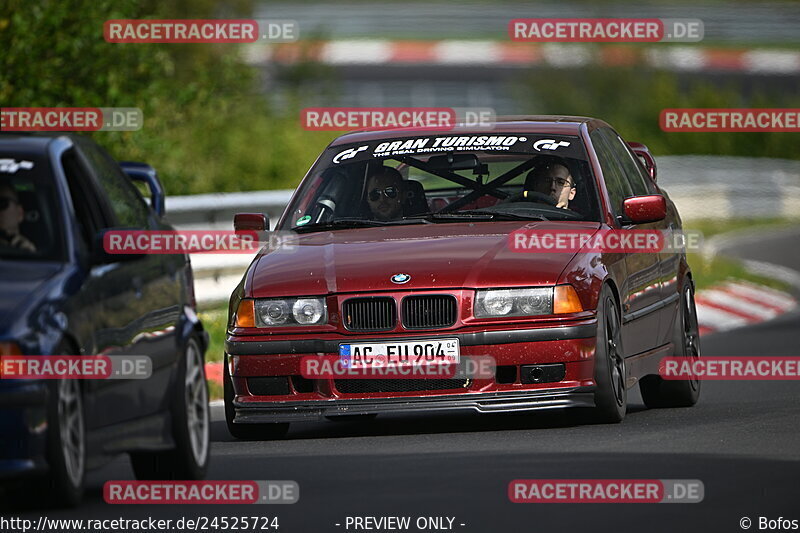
(730, 368)
(382, 118)
(201, 492)
(618, 241)
(606, 30)
(200, 31)
(194, 241)
(730, 120)
(75, 367)
(606, 491)
(71, 119)
(371, 366)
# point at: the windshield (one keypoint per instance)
(443, 178)
(28, 209)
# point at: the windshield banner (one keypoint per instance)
(563, 146)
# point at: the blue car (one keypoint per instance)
(62, 293)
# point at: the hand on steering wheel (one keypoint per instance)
(533, 196)
(538, 197)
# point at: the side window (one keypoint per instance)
(128, 205)
(84, 201)
(633, 170)
(613, 173)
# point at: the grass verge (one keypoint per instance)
(214, 320)
(709, 271)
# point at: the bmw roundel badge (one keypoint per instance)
(400, 278)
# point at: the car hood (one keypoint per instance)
(20, 281)
(442, 255)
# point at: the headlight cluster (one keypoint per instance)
(528, 301)
(290, 312)
(310, 311)
(514, 302)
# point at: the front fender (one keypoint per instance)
(191, 325)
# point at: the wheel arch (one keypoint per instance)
(609, 281)
(70, 341)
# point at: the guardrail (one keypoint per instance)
(701, 186)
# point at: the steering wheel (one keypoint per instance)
(538, 197)
(533, 196)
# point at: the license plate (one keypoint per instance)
(405, 353)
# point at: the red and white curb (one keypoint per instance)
(214, 372)
(514, 54)
(736, 303)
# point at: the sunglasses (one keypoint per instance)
(388, 192)
(5, 202)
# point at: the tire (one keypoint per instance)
(66, 444)
(190, 426)
(65, 449)
(65, 453)
(611, 395)
(247, 431)
(658, 392)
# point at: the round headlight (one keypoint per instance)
(534, 303)
(498, 303)
(307, 310)
(275, 312)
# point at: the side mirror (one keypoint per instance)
(147, 174)
(102, 256)
(643, 153)
(250, 222)
(644, 209)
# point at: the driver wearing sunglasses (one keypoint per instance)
(383, 194)
(11, 216)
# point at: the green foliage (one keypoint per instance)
(710, 272)
(631, 100)
(215, 321)
(206, 127)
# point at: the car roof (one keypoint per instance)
(30, 142)
(546, 124)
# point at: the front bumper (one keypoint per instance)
(23, 425)
(569, 346)
(474, 338)
(503, 402)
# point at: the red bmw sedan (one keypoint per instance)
(405, 251)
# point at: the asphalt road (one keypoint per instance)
(742, 441)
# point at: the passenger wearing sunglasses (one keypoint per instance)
(383, 194)
(11, 216)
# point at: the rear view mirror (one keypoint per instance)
(644, 209)
(250, 222)
(453, 162)
(147, 174)
(644, 155)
